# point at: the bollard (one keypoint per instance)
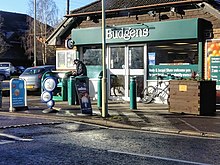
(99, 96)
(133, 93)
(71, 91)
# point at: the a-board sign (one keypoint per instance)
(83, 95)
(18, 93)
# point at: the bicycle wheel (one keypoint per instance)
(148, 94)
(163, 95)
(118, 91)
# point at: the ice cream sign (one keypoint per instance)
(18, 94)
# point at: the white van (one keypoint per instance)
(7, 66)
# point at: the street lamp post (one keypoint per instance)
(35, 51)
(104, 76)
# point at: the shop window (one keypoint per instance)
(176, 58)
(64, 59)
(173, 53)
(92, 55)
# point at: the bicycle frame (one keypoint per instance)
(159, 90)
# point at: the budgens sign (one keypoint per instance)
(149, 31)
(126, 33)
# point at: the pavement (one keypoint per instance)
(147, 117)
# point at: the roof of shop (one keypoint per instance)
(114, 5)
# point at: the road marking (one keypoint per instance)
(14, 137)
(158, 157)
(6, 142)
(189, 125)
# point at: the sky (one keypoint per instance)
(21, 6)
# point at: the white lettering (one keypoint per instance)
(108, 34)
(126, 34)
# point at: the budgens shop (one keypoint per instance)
(143, 51)
(144, 40)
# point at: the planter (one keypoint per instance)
(192, 97)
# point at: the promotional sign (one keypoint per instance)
(215, 69)
(46, 96)
(151, 58)
(49, 85)
(212, 61)
(184, 71)
(18, 94)
(83, 95)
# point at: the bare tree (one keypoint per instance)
(3, 44)
(46, 19)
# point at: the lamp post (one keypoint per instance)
(104, 76)
(35, 52)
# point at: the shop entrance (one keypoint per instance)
(125, 62)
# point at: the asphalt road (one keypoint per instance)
(81, 144)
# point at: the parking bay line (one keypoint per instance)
(14, 137)
(158, 157)
(6, 142)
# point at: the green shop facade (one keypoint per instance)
(143, 51)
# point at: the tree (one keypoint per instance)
(3, 44)
(46, 19)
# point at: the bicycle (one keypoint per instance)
(116, 86)
(160, 90)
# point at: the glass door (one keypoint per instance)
(136, 66)
(117, 71)
(125, 61)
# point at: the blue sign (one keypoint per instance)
(18, 93)
(49, 85)
(151, 58)
(46, 96)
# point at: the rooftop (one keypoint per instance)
(118, 5)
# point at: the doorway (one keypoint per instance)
(126, 61)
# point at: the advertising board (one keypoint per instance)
(18, 94)
(213, 61)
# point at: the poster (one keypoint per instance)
(151, 58)
(18, 93)
(213, 60)
(83, 95)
